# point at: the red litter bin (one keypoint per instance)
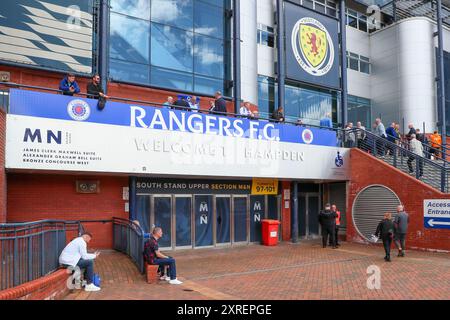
(270, 232)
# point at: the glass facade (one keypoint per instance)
(302, 102)
(182, 45)
(359, 109)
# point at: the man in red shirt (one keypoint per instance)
(152, 255)
(337, 225)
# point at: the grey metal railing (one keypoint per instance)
(432, 172)
(128, 238)
(31, 250)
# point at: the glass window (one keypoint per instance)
(331, 12)
(331, 4)
(353, 64)
(362, 23)
(320, 8)
(126, 45)
(352, 21)
(138, 9)
(267, 96)
(208, 85)
(359, 109)
(364, 67)
(265, 35)
(173, 12)
(209, 56)
(171, 79)
(171, 48)
(308, 4)
(129, 72)
(208, 19)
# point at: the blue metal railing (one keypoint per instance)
(31, 250)
(128, 238)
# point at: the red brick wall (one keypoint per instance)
(2, 167)
(51, 287)
(34, 197)
(410, 192)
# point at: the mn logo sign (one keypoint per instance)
(312, 46)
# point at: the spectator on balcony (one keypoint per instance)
(211, 106)
(411, 131)
(69, 85)
(95, 91)
(245, 110)
(299, 122)
(169, 103)
(326, 121)
(255, 115)
(278, 115)
(436, 142)
(392, 137)
(380, 131)
(361, 136)
(153, 255)
(182, 104)
(75, 255)
(424, 140)
(350, 137)
(220, 105)
(193, 103)
(416, 148)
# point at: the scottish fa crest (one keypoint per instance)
(313, 47)
(339, 160)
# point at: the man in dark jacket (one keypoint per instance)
(95, 91)
(401, 228)
(220, 105)
(327, 220)
(385, 230)
(182, 104)
(68, 85)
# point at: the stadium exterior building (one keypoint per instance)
(209, 180)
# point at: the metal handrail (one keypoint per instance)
(128, 238)
(426, 170)
(30, 250)
(146, 102)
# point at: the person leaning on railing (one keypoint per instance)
(68, 85)
(95, 91)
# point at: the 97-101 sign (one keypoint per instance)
(264, 186)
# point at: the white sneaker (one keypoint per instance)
(167, 278)
(91, 287)
(175, 281)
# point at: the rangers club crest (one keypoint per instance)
(78, 110)
(307, 136)
(313, 47)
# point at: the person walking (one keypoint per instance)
(327, 220)
(416, 148)
(337, 224)
(401, 222)
(385, 230)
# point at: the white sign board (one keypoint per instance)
(436, 213)
(52, 144)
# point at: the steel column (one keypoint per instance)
(294, 213)
(280, 53)
(441, 75)
(343, 58)
(132, 197)
(103, 50)
(236, 55)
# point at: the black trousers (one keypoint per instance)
(387, 246)
(410, 167)
(336, 236)
(328, 231)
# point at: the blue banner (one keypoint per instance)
(53, 106)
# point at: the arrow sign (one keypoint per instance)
(432, 223)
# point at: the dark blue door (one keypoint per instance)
(163, 218)
(223, 214)
(257, 213)
(240, 219)
(183, 209)
(203, 212)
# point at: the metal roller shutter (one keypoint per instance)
(369, 207)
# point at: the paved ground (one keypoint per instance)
(288, 271)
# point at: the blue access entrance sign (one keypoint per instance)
(436, 213)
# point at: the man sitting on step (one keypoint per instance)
(152, 255)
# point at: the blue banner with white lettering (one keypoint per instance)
(53, 106)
